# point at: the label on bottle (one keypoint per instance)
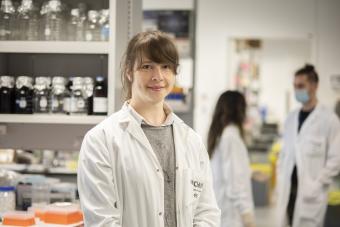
(2, 32)
(73, 105)
(55, 103)
(67, 105)
(80, 103)
(99, 104)
(43, 103)
(47, 31)
(22, 103)
(88, 36)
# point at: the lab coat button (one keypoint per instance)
(160, 213)
(157, 170)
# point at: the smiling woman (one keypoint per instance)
(152, 82)
(143, 52)
(143, 166)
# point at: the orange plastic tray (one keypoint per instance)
(18, 219)
(63, 218)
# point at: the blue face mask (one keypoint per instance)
(302, 95)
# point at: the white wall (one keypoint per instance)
(328, 58)
(219, 20)
(279, 61)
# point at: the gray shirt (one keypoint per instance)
(162, 142)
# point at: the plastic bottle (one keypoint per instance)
(100, 97)
(73, 25)
(53, 21)
(6, 94)
(41, 95)
(14, 22)
(76, 25)
(23, 95)
(28, 20)
(7, 20)
(104, 25)
(33, 24)
(7, 199)
(43, 20)
(92, 29)
(82, 22)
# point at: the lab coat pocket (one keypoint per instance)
(315, 146)
(313, 202)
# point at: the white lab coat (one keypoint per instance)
(232, 177)
(121, 183)
(316, 152)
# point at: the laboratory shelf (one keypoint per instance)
(61, 47)
(50, 119)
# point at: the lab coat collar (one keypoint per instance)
(168, 111)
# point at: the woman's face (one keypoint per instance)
(151, 82)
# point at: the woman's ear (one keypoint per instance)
(129, 76)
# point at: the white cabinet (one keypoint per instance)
(125, 21)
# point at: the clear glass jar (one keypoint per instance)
(6, 94)
(7, 199)
(41, 95)
(23, 95)
(58, 94)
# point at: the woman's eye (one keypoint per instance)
(166, 66)
(146, 67)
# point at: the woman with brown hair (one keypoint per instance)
(230, 162)
(143, 166)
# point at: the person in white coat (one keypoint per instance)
(310, 156)
(229, 161)
(143, 166)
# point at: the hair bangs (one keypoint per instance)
(160, 51)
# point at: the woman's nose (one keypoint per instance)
(157, 73)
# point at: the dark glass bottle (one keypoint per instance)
(100, 97)
(23, 95)
(88, 92)
(6, 94)
(67, 96)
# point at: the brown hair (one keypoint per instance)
(230, 108)
(154, 45)
(309, 71)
